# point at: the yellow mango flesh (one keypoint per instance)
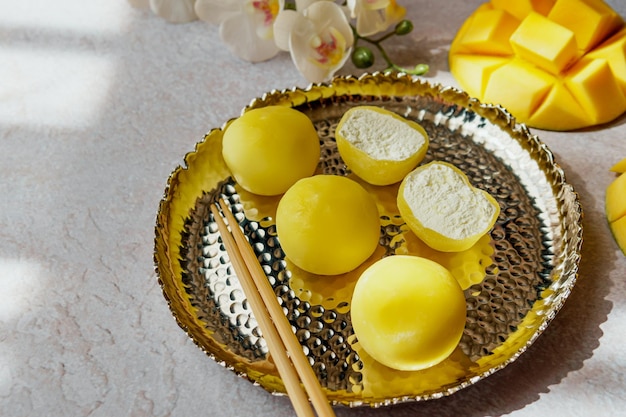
(521, 8)
(270, 148)
(441, 207)
(369, 139)
(489, 32)
(327, 224)
(408, 312)
(614, 52)
(579, 45)
(518, 79)
(560, 109)
(529, 43)
(591, 21)
(478, 70)
(615, 203)
(595, 88)
(619, 167)
(618, 228)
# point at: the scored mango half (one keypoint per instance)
(553, 64)
(615, 205)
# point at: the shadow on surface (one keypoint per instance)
(567, 343)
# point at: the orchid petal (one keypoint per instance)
(264, 13)
(140, 4)
(320, 44)
(283, 26)
(240, 35)
(216, 11)
(327, 14)
(174, 11)
(304, 4)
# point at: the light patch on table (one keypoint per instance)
(19, 281)
(74, 15)
(51, 87)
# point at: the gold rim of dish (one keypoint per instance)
(201, 172)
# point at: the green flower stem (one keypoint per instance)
(419, 69)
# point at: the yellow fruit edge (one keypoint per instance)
(434, 239)
(615, 209)
(373, 171)
(619, 167)
(590, 92)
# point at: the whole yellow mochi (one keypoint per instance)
(408, 312)
(270, 148)
(327, 224)
(378, 145)
(554, 64)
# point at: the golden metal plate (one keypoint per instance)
(515, 279)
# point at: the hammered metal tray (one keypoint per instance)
(515, 279)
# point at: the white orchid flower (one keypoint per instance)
(319, 39)
(174, 11)
(246, 26)
(140, 4)
(374, 16)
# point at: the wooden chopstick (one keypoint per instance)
(275, 327)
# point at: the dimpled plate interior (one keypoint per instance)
(515, 279)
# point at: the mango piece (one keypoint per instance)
(456, 46)
(591, 21)
(557, 42)
(618, 229)
(441, 207)
(614, 52)
(592, 83)
(270, 148)
(489, 32)
(529, 43)
(519, 87)
(378, 145)
(559, 110)
(615, 200)
(478, 70)
(408, 312)
(619, 167)
(327, 224)
(521, 8)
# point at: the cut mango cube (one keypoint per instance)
(478, 69)
(619, 167)
(579, 46)
(590, 20)
(489, 32)
(457, 45)
(615, 204)
(559, 110)
(618, 228)
(614, 51)
(521, 8)
(595, 88)
(518, 87)
(529, 43)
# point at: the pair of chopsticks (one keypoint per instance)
(292, 364)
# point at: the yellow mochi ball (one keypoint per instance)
(327, 224)
(270, 148)
(408, 312)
